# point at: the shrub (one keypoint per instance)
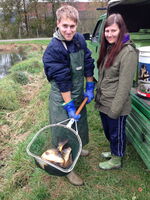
(20, 77)
(32, 65)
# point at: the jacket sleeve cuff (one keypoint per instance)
(64, 87)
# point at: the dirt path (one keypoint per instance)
(16, 47)
(26, 39)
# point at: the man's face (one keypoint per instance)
(67, 28)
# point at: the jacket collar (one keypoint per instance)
(58, 35)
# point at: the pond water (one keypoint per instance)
(7, 60)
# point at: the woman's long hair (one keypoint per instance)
(116, 47)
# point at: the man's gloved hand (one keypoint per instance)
(71, 110)
(89, 91)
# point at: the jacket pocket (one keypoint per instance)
(112, 72)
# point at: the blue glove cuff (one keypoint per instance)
(71, 102)
(90, 85)
(89, 91)
(70, 108)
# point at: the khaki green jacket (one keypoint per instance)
(114, 83)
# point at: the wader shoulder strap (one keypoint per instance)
(64, 45)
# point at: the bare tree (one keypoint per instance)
(24, 4)
(30, 18)
(34, 17)
(14, 14)
(55, 4)
(6, 17)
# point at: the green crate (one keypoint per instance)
(139, 148)
(139, 140)
(138, 131)
(140, 118)
(142, 104)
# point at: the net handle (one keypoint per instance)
(81, 106)
(69, 125)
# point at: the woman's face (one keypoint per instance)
(112, 33)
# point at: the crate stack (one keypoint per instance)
(138, 127)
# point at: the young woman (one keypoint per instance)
(117, 64)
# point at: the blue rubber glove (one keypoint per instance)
(89, 91)
(71, 110)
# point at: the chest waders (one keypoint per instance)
(57, 112)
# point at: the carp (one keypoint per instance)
(60, 156)
(54, 156)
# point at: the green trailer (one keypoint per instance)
(136, 14)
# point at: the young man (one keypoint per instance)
(67, 60)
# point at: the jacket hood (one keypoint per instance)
(126, 41)
(130, 42)
(58, 35)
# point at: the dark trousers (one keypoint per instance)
(114, 130)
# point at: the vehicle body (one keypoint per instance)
(136, 14)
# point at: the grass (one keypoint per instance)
(21, 179)
(32, 65)
(10, 93)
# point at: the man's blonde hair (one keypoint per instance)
(68, 12)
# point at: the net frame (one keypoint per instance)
(52, 168)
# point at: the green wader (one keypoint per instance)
(57, 112)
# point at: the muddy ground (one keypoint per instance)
(15, 47)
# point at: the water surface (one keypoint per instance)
(7, 60)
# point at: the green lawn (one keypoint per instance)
(21, 179)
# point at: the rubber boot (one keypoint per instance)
(74, 179)
(106, 154)
(84, 152)
(113, 163)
